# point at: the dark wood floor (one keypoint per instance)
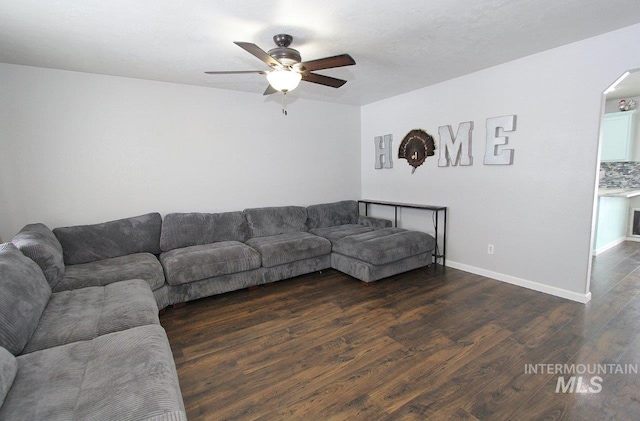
(429, 344)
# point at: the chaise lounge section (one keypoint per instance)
(375, 255)
(368, 248)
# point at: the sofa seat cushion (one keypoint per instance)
(291, 247)
(8, 370)
(384, 246)
(86, 313)
(104, 272)
(128, 375)
(340, 231)
(37, 242)
(190, 264)
(24, 293)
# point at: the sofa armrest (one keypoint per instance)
(369, 221)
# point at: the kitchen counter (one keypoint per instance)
(612, 223)
(618, 192)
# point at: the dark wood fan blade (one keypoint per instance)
(238, 72)
(258, 52)
(270, 90)
(327, 63)
(323, 80)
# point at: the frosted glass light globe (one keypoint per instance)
(284, 80)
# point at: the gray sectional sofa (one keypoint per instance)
(79, 330)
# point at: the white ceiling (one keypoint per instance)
(398, 46)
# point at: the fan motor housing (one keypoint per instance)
(285, 55)
(282, 52)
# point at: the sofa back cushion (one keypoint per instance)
(37, 242)
(264, 222)
(194, 229)
(8, 370)
(24, 293)
(88, 243)
(332, 214)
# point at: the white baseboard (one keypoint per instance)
(536, 286)
(636, 239)
(611, 245)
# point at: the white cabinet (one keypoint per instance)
(618, 136)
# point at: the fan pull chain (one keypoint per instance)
(284, 103)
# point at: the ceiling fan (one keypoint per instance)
(287, 67)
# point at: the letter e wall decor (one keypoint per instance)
(494, 124)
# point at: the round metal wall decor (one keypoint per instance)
(416, 146)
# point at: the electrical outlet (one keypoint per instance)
(490, 249)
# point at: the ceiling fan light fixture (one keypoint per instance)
(284, 80)
(286, 68)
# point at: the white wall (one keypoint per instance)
(538, 211)
(79, 148)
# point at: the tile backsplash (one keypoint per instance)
(620, 174)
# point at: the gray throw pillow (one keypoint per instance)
(25, 293)
(332, 214)
(37, 242)
(194, 229)
(88, 243)
(265, 222)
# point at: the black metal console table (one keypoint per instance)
(435, 209)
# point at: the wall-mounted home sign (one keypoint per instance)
(416, 146)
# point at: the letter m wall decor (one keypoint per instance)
(454, 150)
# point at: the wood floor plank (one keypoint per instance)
(324, 401)
(434, 368)
(294, 381)
(538, 330)
(258, 336)
(600, 311)
(619, 337)
(434, 343)
(460, 390)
